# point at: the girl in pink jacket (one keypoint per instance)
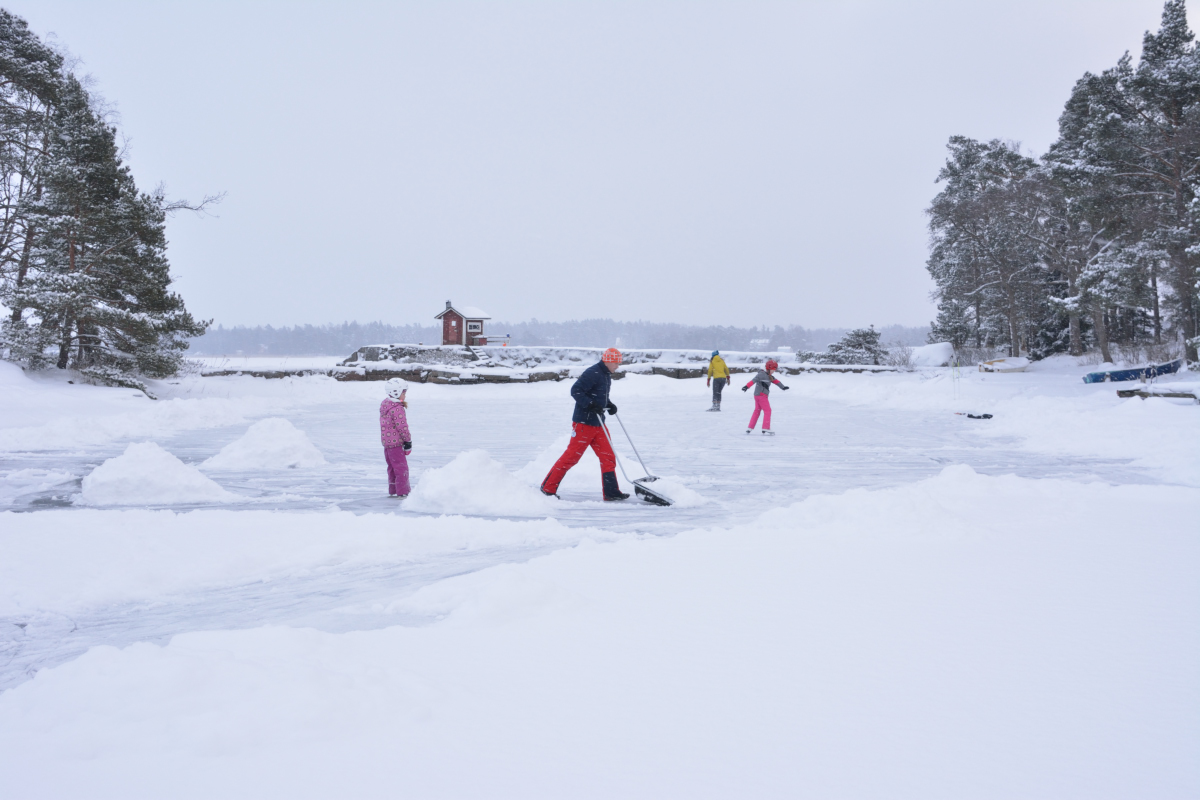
(397, 441)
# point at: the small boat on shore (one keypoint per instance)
(1015, 364)
(1135, 374)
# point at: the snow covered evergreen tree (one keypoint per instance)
(1135, 132)
(91, 291)
(859, 346)
(1057, 254)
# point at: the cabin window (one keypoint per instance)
(453, 323)
(474, 327)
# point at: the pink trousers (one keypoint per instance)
(762, 405)
(397, 464)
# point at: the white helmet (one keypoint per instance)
(395, 388)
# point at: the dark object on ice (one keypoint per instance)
(1136, 374)
(639, 486)
(612, 491)
(973, 416)
(1154, 392)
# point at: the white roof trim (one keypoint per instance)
(466, 312)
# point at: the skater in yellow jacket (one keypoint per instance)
(718, 376)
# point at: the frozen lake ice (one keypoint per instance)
(286, 550)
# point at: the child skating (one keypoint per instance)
(397, 441)
(762, 390)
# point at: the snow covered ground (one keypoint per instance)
(211, 594)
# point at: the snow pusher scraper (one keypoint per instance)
(639, 486)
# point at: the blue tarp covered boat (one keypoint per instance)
(1136, 374)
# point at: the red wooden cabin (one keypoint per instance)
(463, 325)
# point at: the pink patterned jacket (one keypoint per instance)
(393, 424)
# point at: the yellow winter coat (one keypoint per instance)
(717, 368)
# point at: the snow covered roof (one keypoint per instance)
(467, 312)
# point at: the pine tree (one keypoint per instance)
(1137, 129)
(92, 288)
(859, 346)
(983, 259)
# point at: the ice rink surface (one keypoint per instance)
(321, 548)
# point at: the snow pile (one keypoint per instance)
(933, 355)
(890, 643)
(583, 477)
(473, 483)
(273, 443)
(145, 474)
(24, 481)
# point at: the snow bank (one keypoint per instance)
(933, 355)
(892, 643)
(67, 561)
(145, 474)
(473, 483)
(273, 443)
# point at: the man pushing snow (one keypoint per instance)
(591, 401)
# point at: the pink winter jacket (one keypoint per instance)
(393, 424)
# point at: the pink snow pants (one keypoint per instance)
(762, 405)
(397, 464)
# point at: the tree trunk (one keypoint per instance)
(22, 271)
(1101, 332)
(1076, 333)
(1076, 329)
(1154, 292)
(64, 346)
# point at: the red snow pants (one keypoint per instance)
(584, 436)
(761, 405)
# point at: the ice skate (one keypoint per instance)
(749, 430)
(768, 433)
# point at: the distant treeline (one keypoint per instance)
(343, 339)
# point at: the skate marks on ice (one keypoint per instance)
(821, 447)
(336, 600)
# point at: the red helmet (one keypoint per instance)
(611, 356)
(771, 365)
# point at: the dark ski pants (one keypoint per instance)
(718, 385)
(583, 437)
(397, 464)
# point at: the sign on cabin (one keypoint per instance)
(463, 325)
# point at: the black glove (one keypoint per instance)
(595, 408)
(612, 407)
(407, 448)
(783, 387)
(744, 388)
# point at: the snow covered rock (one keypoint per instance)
(474, 483)
(145, 474)
(273, 443)
(933, 355)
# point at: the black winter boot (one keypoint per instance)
(611, 490)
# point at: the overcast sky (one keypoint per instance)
(731, 163)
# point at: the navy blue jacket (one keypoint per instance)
(591, 389)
